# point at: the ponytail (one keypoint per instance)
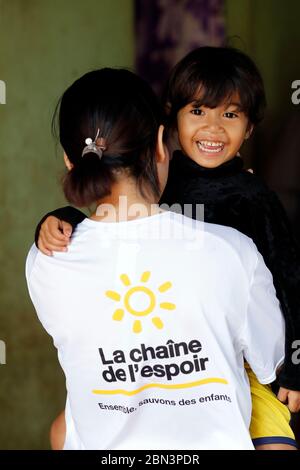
(88, 181)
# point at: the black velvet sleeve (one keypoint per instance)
(270, 230)
(67, 214)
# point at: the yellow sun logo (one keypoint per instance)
(139, 301)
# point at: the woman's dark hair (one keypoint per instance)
(210, 76)
(128, 114)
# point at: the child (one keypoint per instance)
(152, 313)
(214, 98)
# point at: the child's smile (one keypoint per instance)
(212, 136)
(207, 146)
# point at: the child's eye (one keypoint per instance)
(230, 115)
(197, 111)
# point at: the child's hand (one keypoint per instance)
(291, 398)
(54, 235)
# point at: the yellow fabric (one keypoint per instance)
(270, 417)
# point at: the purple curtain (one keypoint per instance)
(166, 30)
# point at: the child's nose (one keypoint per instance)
(213, 122)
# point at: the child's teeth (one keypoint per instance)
(210, 146)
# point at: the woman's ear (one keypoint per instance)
(162, 159)
(68, 164)
(161, 150)
(249, 131)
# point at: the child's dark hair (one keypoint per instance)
(210, 76)
(128, 114)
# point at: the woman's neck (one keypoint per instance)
(125, 203)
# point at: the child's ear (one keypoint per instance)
(68, 164)
(168, 108)
(249, 131)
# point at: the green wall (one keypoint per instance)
(44, 46)
(268, 30)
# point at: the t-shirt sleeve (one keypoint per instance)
(43, 293)
(31, 257)
(263, 335)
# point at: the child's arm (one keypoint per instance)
(54, 230)
(270, 229)
(58, 432)
(291, 398)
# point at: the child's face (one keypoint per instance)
(212, 136)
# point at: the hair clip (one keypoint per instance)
(97, 146)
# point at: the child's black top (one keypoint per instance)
(235, 197)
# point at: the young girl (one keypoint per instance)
(151, 312)
(214, 99)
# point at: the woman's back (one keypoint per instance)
(151, 318)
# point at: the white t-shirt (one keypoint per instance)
(152, 319)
